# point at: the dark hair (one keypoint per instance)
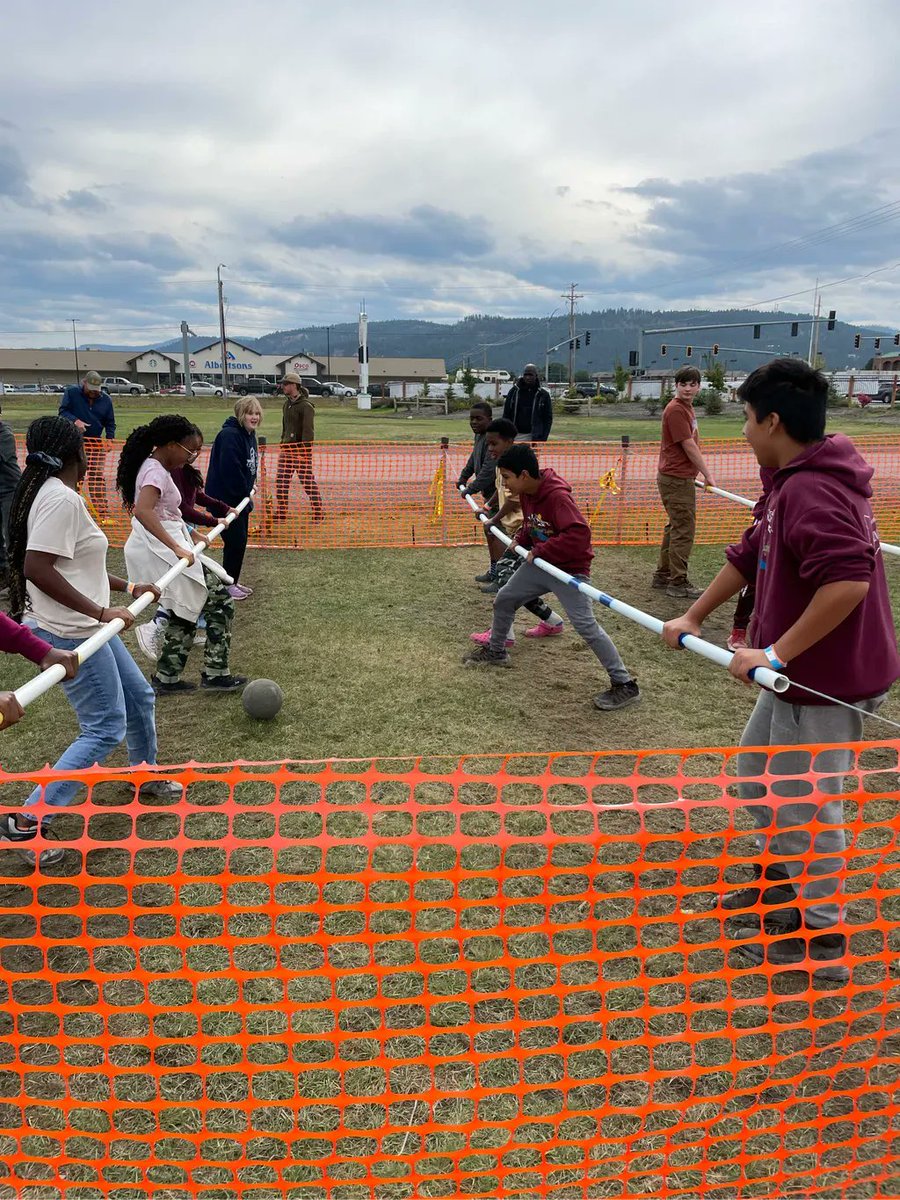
(520, 458)
(138, 446)
(483, 406)
(795, 391)
(504, 427)
(52, 444)
(687, 375)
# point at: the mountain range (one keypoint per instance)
(509, 342)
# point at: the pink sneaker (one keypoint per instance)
(544, 630)
(483, 639)
(738, 640)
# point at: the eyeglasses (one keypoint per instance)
(192, 454)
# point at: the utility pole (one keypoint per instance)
(75, 344)
(186, 351)
(328, 344)
(363, 352)
(571, 296)
(814, 333)
(222, 330)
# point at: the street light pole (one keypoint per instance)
(222, 330)
(75, 344)
(328, 343)
(547, 344)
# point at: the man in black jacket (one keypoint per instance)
(10, 474)
(529, 407)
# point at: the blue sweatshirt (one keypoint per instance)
(232, 463)
(97, 415)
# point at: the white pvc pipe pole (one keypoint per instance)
(217, 569)
(42, 683)
(887, 547)
(764, 676)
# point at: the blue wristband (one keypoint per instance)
(773, 658)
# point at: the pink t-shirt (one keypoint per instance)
(154, 474)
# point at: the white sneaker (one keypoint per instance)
(200, 637)
(150, 639)
(164, 789)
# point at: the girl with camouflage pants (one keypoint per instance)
(158, 538)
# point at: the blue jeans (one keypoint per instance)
(112, 701)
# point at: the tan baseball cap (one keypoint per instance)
(292, 377)
(92, 379)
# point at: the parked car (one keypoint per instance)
(379, 389)
(592, 389)
(316, 387)
(117, 385)
(333, 388)
(53, 388)
(200, 387)
(254, 387)
(885, 392)
(29, 389)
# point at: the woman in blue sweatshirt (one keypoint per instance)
(233, 462)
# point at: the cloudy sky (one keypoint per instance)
(440, 159)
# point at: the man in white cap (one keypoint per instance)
(88, 407)
(298, 416)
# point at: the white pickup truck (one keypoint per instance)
(116, 385)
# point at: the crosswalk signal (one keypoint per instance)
(856, 341)
(795, 328)
(632, 358)
(876, 345)
(688, 351)
(663, 350)
(715, 348)
(587, 338)
(831, 318)
(757, 330)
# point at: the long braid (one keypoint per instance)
(139, 444)
(52, 444)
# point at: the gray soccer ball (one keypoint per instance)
(262, 699)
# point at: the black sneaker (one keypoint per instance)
(487, 577)
(620, 695)
(223, 683)
(484, 656)
(491, 588)
(660, 581)
(819, 955)
(10, 832)
(171, 689)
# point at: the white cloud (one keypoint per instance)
(215, 127)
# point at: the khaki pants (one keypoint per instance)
(679, 497)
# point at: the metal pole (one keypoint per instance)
(185, 350)
(815, 353)
(328, 343)
(75, 344)
(812, 328)
(222, 329)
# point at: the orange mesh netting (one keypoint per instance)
(502, 977)
(382, 494)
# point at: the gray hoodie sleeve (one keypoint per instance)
(486, 479)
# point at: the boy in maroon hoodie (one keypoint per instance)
(554, 529)
(823, 618)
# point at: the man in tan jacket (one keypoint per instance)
(297, 436)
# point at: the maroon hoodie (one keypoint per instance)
(553, 526)
(19, 639)
(818, 528)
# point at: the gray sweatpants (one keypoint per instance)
(528, 583)
(800, 816)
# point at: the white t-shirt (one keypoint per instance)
(59, 523)
(154, 474)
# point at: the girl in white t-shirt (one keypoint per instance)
(57, 559)
(158, 538)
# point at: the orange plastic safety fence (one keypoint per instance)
(503, 977)
(342, 495)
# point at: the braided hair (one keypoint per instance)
(142, 442)
(52, 444)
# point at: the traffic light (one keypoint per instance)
(578, 343)
(587, 338)
(876, 345)
(572, 344)
(795, 328)
(632, 358)
(688, 351)
(663, 350)
(897, 339)
(757, 330)
(831, 317)
(856, 341)
(715, 348)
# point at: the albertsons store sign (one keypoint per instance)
(215, 364)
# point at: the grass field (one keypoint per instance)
(337, 423)
(367, 647)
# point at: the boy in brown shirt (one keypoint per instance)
(297, 435)
(680, 461)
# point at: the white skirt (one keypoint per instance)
(147, 560)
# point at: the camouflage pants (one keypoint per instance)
(218, 612)
(505, 568)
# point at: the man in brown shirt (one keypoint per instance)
(680, 461)
(298, 416)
